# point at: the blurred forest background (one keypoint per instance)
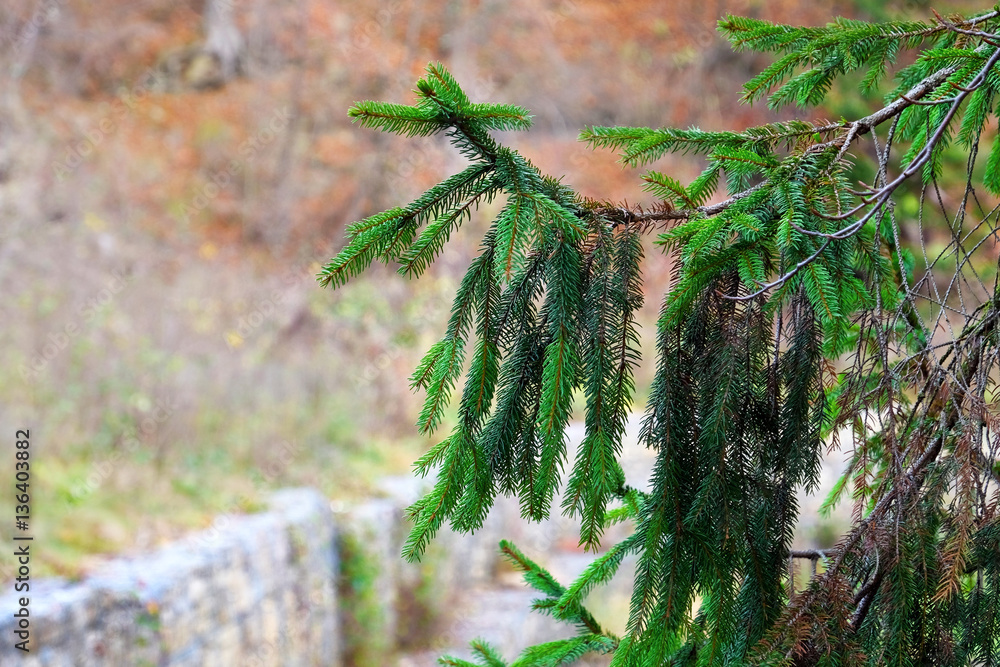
(174, 172)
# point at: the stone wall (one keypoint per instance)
(261, 590)
(305, 583)
(254, 590)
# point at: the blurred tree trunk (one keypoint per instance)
(221, 57)
(223, 38)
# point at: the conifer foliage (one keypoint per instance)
(806, 311)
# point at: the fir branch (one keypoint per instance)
(487, 653)
(562, 306)
(742, 396)
(396, 118)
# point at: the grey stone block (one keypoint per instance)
(253, 590)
